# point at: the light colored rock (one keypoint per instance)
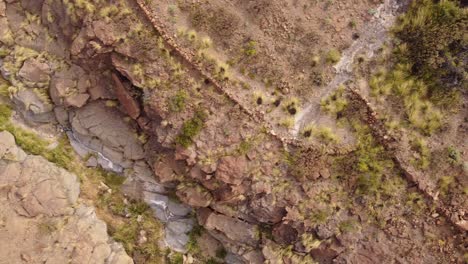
(41, 220)
(164, 172)
(103, 129)
(8, 149)
(2, 8)
(40, 187)
(176, 241)
(33, 107)
(77, 100)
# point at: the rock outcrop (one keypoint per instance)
(41, 218)
(102, 129)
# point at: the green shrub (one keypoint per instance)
(111, 179)
(420, 112)
(192, 244)
(424, 159)
(453, 155)
(177, 102)
(371, 162)
(322, 133)
(250, 49)
(325, 135)
(245, 146)
(336, 102)
(348, 226)
(190, 129)
(176, 258)
(433, 34)
(333, 56)
(5, 114)
(28, 141)
(445, 183)
(61, 154)
(287, 122)
(291, 106)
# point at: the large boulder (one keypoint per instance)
(105, 32)
(69, 87)
(40, 187)
(34, 106)
(41, 219)
(102, 129)
(234, 229)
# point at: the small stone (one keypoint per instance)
(435, 215)
(25, 257)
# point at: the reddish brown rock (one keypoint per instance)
(284, 234)
(266, 210)
(34, 71)
(234, 229)
(231, 170)
(194, 195)
(125, 98)
(187, 154)
(105, 32)
(227, 194)
(164, 172)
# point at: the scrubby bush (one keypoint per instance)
(419, 110)
(177, 102)
(371, 162)
(5, 113)
(433, 36)
(424, 158)
(287, 122)
(336, 102)
(321, 133)
(333, 56)
(190, 129)
(250, 49)
(453, 155)
(291, 106)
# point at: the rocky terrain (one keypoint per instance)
(42, 220)
(140, 131)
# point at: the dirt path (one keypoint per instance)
(370, 40)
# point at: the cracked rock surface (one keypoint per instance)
(41, 217)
